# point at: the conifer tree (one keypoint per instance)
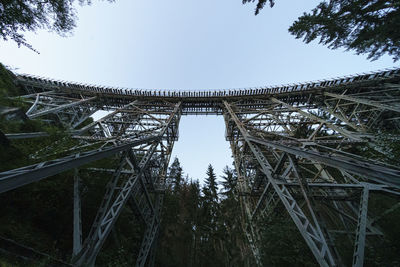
(260, 4)
(176, 174)
(368, 27)
(209, 249)
(365, 26)
(236, 248)
(17, 17)
(229, 180)
(210, 188)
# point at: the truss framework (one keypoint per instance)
(296, 147)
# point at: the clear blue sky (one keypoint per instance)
(186, 44)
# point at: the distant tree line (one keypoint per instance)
(201, 224)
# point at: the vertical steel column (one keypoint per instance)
(77, 233)
(358, 256)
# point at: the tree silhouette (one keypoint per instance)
(19, 16)
(365, 26)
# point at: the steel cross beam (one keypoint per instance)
(334, 127)
(26, 135)
(364, 101)
(69, 110)
(365, 110)
(22, 176)
(55, 109)
(379, 173)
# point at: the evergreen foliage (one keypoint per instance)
(17, 17)
(7, 85)
(200, 227)
(229, 182)
(176, 174)
(210, 188)
(367, 27)
(260, 4)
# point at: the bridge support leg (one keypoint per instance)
(77, 231)
(358, 256)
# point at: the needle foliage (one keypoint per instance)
(369, 27)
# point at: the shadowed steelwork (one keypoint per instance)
(294, 146)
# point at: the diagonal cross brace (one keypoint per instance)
(33, 115)
(22, 176)
(382, 174)
(88, 255)
(314, 238)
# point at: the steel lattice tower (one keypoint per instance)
(293, 146)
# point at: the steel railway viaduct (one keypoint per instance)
(292, 145)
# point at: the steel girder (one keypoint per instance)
(22, 176)
(26, 135)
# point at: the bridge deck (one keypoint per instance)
(207, 101)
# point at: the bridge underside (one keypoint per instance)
(296, 147)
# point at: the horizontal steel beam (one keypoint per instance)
(372, 187)
(377, 173)
(364, 101)
(58, 108)
(26, 135)
(18, 177)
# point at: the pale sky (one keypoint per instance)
(186, 44)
